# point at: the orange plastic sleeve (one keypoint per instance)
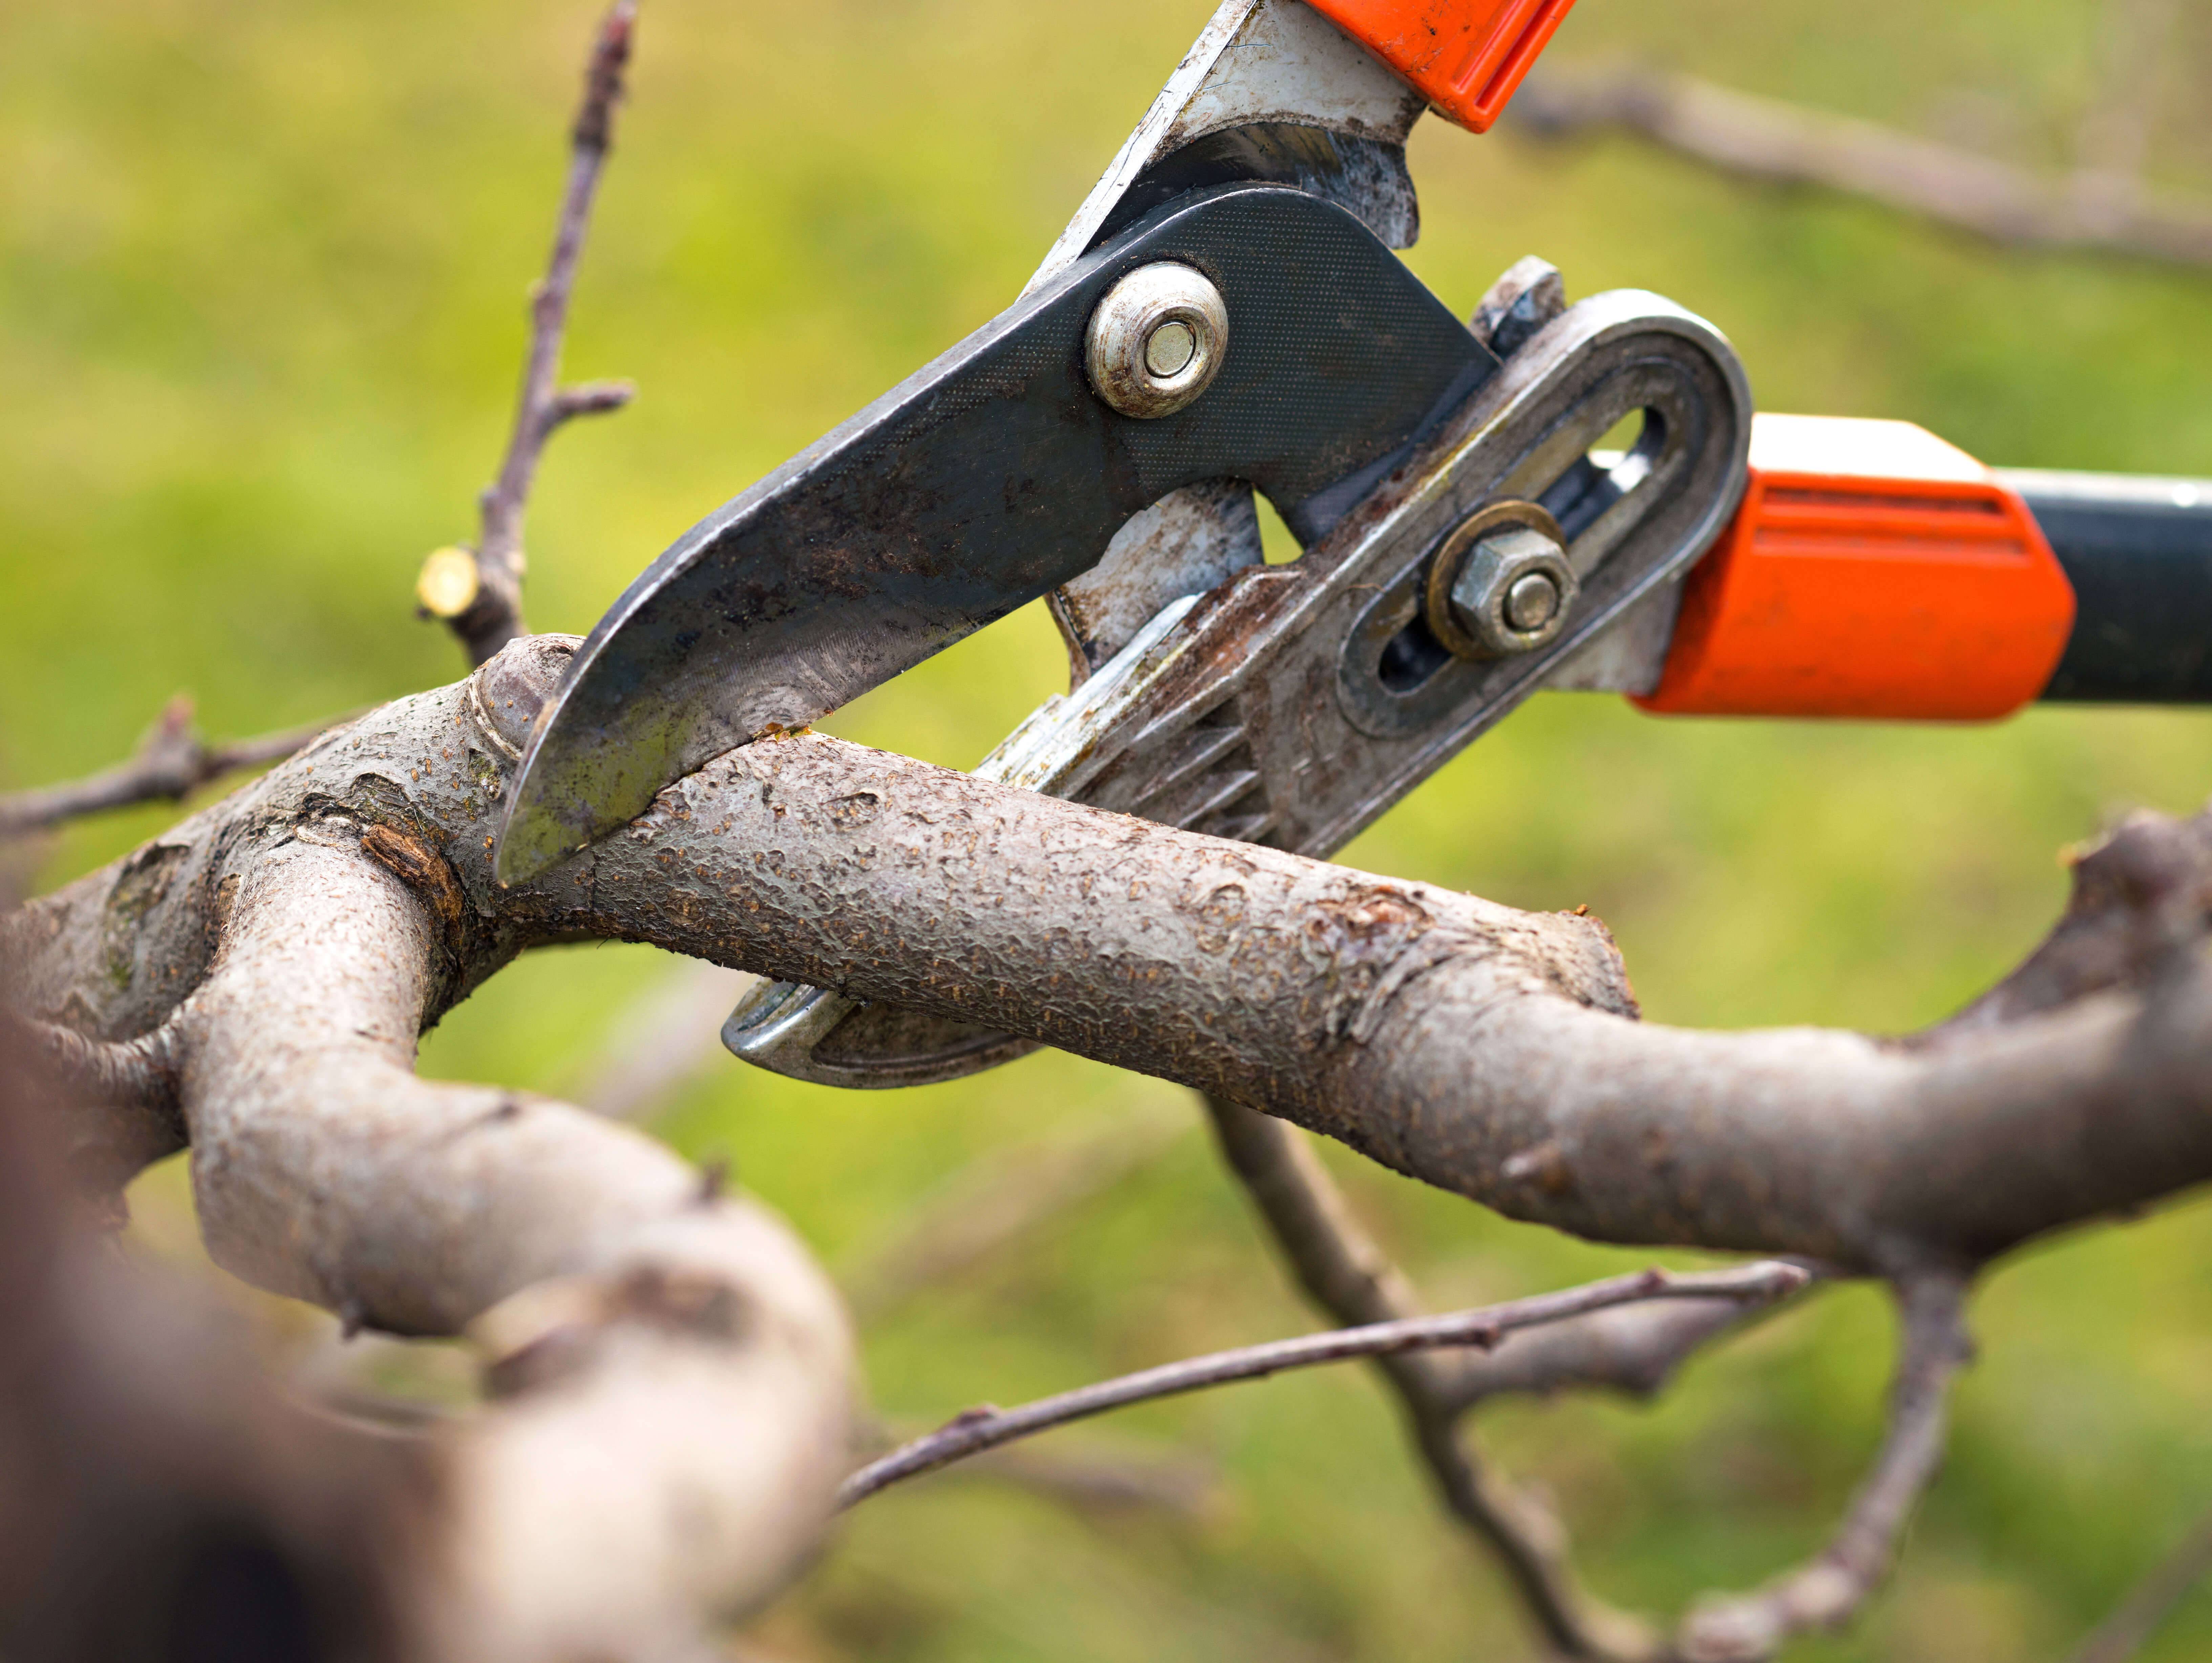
(1872, 570)
(1465, 57)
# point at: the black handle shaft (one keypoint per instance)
(2138, 551)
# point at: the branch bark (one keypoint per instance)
(673, 1371)
(1765, 139)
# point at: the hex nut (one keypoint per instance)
(1500, 584)
(1157, 340)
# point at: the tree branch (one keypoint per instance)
(1484, 1050)
(985, 1428)
(1765, 139)
(1101, 1476)
(172, 762)
(1346, 1274)
(479, 593)
(671, 1374)
(302, 931)
(1825, 1593)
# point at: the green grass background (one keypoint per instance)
(261, 266)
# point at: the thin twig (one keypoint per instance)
(1824, 1593)
(1348, 1275)
(486, 614)
(172, 762)
(2122, 1635)
(1635, 1350)
(987, 1427)
(1763, 138)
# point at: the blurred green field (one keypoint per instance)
(261, 273)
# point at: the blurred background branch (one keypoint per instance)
(2102, 204)
(172, 763)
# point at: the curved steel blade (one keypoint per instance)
(980, 483)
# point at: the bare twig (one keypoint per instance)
(1634, 1351)
(1824, 1593)
(486, 613)
(2133, 1622)
(1348, 1275)
(985, 1428)
(1763, 138)
(172, 762)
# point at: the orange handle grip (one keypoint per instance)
(1873, 571)
(1465, 57)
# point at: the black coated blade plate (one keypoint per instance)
(980, 483)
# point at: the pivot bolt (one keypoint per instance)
(1531, 602)
(1157, 340)
(1500, 584)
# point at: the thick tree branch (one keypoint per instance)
(1765, 139)
(300, 933)
(1487, 1051)
(146, 1457)
(671, 1372)
(479, 592)
(172, 762)
(986, 1427)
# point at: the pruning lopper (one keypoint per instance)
(1224, 315)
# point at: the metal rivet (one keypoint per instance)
(1157, 340)
(1500, 584)
(1171, 348)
